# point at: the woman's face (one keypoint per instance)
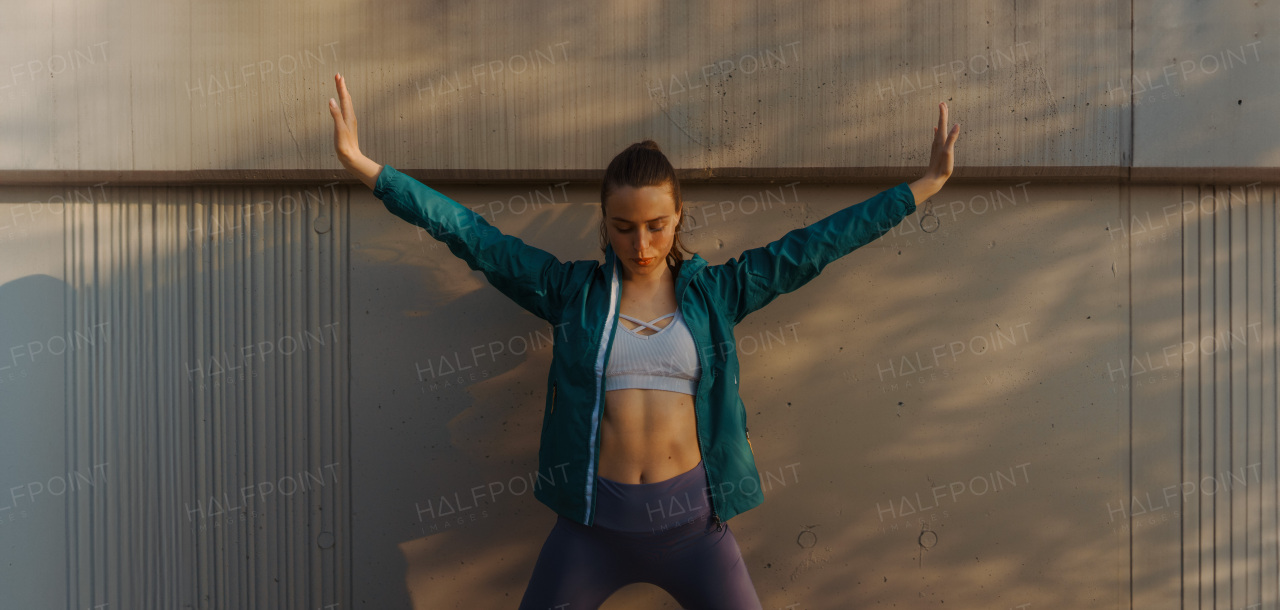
(641, 224)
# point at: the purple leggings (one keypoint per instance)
(659, 533)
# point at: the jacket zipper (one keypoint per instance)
(606, 336)
(715, 516)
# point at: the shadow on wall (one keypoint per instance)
(1019, 426)
(41, 474)
(138, 409)
(866, 441)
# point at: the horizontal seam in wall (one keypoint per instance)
(811, 175)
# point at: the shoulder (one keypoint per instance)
(581, 272)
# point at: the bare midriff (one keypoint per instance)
(647, 436)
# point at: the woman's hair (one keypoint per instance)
(643, 164)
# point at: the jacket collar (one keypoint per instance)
(688, 269)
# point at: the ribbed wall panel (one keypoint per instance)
(217, 401)
(1229, 398)
(1203, 513)
(159, 278)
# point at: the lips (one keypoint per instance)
(643, 261)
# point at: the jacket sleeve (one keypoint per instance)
(533, 278)
(759, 275)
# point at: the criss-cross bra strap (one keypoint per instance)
(648, 324)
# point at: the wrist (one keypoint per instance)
(363, 168)
(926, 187)
(349, 160)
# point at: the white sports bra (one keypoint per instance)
(665, 360)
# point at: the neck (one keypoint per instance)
(647, 281)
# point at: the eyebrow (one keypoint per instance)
(621, 219)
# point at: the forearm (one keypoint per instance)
(757, 276)
(530, 276)
(363, 168)
(925, 188)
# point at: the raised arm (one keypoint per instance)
(759, 275)
(345, 140)
(941, 158)
(533, 278)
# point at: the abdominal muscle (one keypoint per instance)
(647, 436)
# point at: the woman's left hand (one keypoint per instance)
(941, 158)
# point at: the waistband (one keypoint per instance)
(653, 507)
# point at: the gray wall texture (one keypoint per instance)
(230, 379)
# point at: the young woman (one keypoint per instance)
(644, 447)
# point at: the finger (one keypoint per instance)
(344, 98)
(337, 105)
(942, 117)
(339, 126)
(955, 133)
(348, 109)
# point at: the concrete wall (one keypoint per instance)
(175, 397)
(1017, 382)
(491, 85)
(230, 381)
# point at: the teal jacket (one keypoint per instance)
(585, 296)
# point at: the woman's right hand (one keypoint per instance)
(345, 140)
